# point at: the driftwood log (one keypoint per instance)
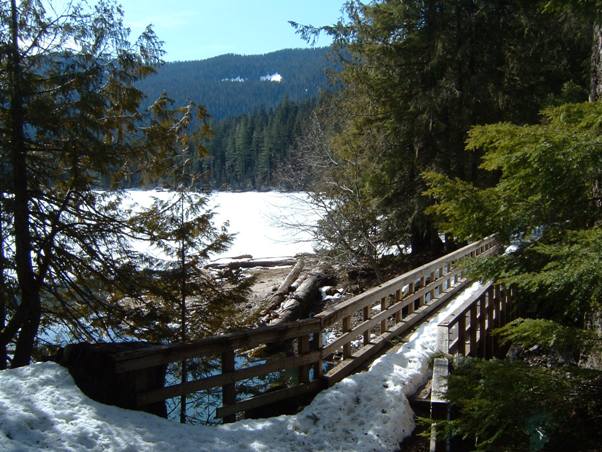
(250, 263)
(306, 298)
(280, 295)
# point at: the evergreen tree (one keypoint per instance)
(548, 200)
(418, 74)
(71, 118)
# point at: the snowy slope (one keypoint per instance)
(41, 408)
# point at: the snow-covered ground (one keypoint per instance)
(41, 408)
(261, 221)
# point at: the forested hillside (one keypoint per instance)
(232, 85)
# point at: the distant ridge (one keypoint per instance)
(231, 85)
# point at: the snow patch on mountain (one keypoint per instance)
(275, 77)
(238, 79)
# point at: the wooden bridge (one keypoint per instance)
(357, 329)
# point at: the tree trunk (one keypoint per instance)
(3, 287)
(183, 309)
(425, 238)
(595, 93)
(30, 308)
(596, 65)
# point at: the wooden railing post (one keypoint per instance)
(317, 346)
(367, 316)
(422, 285)
(228, 390)
(411, 290)
(346, 329)
(482, 326)
(462, 335)
(504, 307)
(473, 329)
(490, 303)
(398, 298)
(432, 291)
(383, 308)
(303, 350)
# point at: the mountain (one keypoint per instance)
(232, 85)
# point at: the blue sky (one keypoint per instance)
(197, 29)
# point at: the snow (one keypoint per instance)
(237, 79)
(263, 222)
(275, 77)
(40, 407)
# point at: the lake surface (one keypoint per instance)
(265, 224)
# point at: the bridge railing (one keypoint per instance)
(369, 321)
(349, 334)
(468, 330)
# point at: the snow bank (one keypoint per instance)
(41, 408)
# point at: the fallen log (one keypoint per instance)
(306, 298)
(252, 263)
(280, 295)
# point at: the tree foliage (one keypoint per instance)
(512, 406)
(250, 152)
(417, 75)
(546, 203)
(71, 121)
(547, 196)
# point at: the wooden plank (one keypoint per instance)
(473, 329)
(346, 329)
(228, 390)
(146, 398)
(443, 339)
(270, 397)
(439, 382)
(303, 350)
(383, 308)
(164, 354)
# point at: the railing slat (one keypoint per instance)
(164, 354)
(229, 389)
(146, 398)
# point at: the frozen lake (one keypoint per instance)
(263, 222)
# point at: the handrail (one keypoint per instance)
(375, 316)
(468, 330)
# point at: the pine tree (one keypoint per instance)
(180, 301)
(71, 120)
(418, 74)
